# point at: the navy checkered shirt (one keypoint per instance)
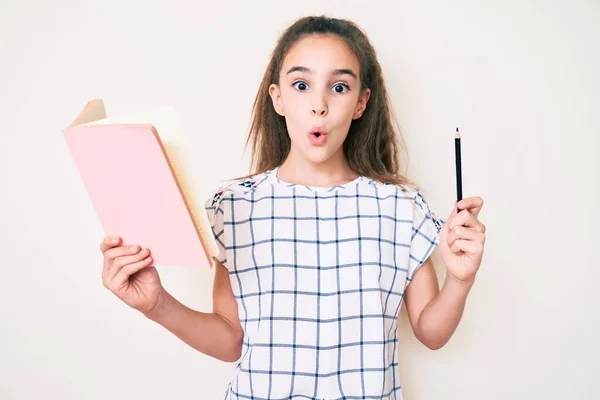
(319, 276)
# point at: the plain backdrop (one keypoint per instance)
(518, 77)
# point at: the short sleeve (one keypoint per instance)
(215, 213)
(425, 233)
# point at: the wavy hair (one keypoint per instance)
(373, 143)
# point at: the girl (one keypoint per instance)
(322, 242)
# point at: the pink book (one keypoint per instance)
(134, 172)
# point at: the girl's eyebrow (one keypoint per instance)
(335, 72)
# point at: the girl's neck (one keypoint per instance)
(332, 172)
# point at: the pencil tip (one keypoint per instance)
(457, 134)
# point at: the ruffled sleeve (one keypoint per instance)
(215, 213)
(425, 233)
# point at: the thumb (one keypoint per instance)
(454, 210)
(452, 215)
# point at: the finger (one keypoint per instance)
(109, 242)
(472, 222)
(454, 210)
(120, 251)
(112, 253)
(468, 235)
(130, 269)
(461, 232)
(118, 263)
(465, 218)
(459, 219)
(466, 246)
(452, 215)
(471, 204)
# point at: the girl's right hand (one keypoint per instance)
(128, 273)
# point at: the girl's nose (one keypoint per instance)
(318, 104)
(319, 109)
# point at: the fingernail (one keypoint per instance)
(133, 248)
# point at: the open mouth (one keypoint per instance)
(318, 137)
(318, 132)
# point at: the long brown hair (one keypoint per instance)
(373, 142)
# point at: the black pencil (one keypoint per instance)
(458, 167)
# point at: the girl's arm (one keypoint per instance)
(434, 314)
(217, 334)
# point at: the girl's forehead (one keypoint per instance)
(318, 52)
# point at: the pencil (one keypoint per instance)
(458, 166)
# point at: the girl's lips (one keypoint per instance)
(317, 138)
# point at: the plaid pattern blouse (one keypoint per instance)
(319, 276)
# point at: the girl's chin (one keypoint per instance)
(316, 155)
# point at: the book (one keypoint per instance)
(138, 178)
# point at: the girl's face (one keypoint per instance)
(319, 95)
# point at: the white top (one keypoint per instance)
(319, 276)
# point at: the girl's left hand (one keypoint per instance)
(462, 240)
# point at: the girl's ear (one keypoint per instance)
(275, 94)
(362, 103)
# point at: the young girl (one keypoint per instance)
(322, 242)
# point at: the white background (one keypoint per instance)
(518, 77)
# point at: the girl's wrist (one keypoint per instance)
(459, 285)
(161, 308)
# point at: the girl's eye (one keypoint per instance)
(300, 85)
(340, 88)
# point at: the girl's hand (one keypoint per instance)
(129, 275)
(462, 240)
